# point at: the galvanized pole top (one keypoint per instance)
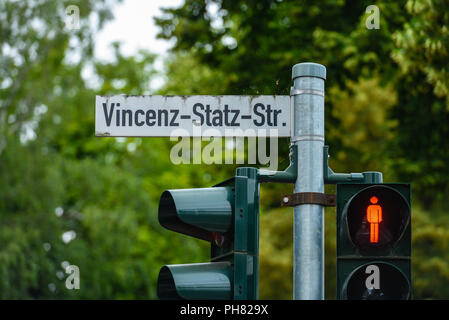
(309, 69)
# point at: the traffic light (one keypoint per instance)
(373, 241)
(227, 216)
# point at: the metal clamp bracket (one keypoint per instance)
(330, 177)
(289, 175)
(323, 199)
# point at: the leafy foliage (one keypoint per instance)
(69, 197)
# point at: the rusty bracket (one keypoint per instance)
(323, 199)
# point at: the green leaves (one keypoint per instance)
(424, 44)
(67, 196)
(364, 127)
(386, 109)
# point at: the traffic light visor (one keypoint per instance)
(197, 212)
(195, 281)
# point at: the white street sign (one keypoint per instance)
(195, 116)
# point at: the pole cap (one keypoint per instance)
(309, 69)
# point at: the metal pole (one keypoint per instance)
(308, 135)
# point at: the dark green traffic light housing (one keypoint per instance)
(374, 241)
(227, 216)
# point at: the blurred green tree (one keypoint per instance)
(69, 197)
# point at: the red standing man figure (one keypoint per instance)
(374, 217)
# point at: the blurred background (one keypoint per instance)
(68, 197)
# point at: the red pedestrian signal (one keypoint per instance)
(374, 241)
(374, 217)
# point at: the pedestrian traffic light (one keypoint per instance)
(373, 241)
(227, 216)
